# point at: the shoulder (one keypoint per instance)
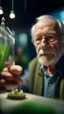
(33, 62)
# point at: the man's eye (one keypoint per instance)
(39, 38)
(50, 38)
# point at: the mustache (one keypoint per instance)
(47, 51)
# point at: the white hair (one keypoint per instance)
(40, 18)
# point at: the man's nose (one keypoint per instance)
(43, 43)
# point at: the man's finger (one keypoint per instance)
(11, 77)
(16, 69)
(8, 85)
(5, 69)
(6, 75)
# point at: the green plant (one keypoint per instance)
(4, 50)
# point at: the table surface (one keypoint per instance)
(6, 104)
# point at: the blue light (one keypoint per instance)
(62, 15)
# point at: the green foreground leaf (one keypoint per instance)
(4, 51)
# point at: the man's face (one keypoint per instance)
(47, 41)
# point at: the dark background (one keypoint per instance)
(26, 14)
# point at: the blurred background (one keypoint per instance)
(26, 11)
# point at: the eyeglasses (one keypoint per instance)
(49, 38)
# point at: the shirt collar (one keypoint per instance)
(54, 76)
(43, 69)
(59, 67)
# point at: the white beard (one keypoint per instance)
(48, 62)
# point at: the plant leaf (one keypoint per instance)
(4, 50)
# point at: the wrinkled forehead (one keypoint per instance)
(46, 24)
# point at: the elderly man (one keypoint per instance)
(46, 73)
